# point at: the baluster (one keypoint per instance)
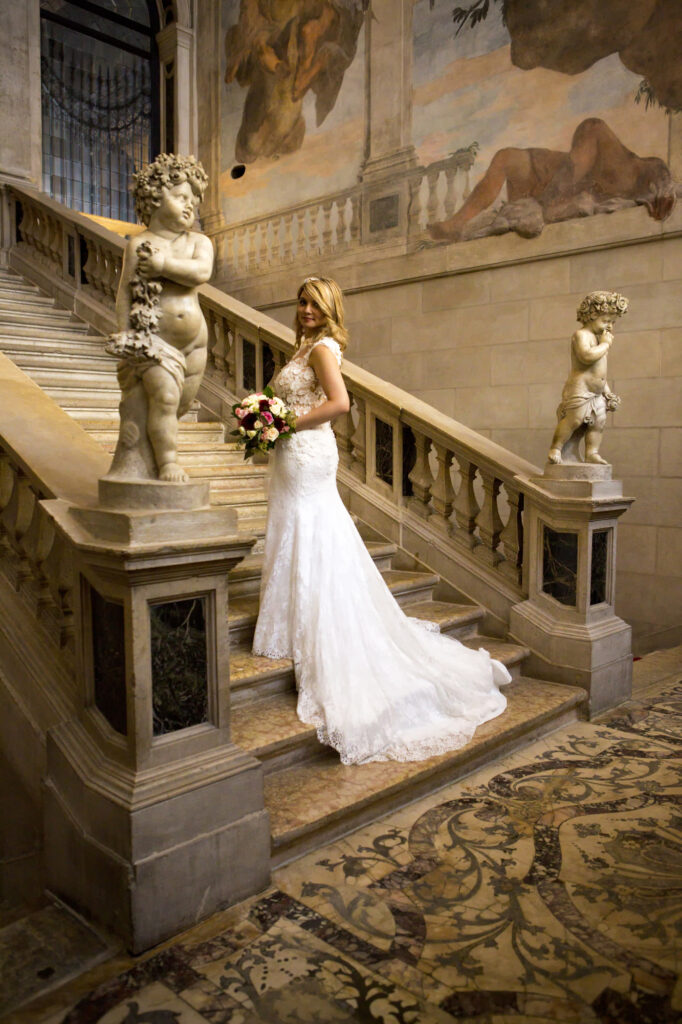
(300, 234)
(354, 221)
(230, 336)
(315, 235)
(512, 535)
(488, 520)
(420, 476)
(251, 248)
(218, 351)
(343, 228)
(450, 202)
(442, 491)
(415, 208)
(432, 202)
(288, 240)
(359, 441)
(239, 255)
(275, 248)
(465, 505)
(327, 226)
(56, 246)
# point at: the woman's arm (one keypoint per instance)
(327, 371)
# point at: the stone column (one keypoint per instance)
(210, 42)
(20, 112)
(568, 619)
(153, 818)
(390, 154)
(178, 113)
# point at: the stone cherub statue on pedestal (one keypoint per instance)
(586, 397)
(162, 334)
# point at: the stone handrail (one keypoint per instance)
(343, 221)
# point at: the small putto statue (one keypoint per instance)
(586, 397)
(162, 334)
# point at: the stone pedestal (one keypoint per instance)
(568, 619)
(154, 819)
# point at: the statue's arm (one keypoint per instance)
(585, 349)
(193, 270)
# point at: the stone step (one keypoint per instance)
(223, 477)
(38, 316)
(11, 284)
(318, 800)
(27, 302)
(81, 399)
(80, 378)
(61, 362)
(267, 725)
(76, 348)
(407, 586)
(204, 433)
(460, 619)
(75, 331)
(244, 579)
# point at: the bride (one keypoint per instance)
(376, 684)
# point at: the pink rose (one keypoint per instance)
(267, 417)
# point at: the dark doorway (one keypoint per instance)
(100, 100)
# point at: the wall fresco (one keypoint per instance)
(293, 100)
(563, 127)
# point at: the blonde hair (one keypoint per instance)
(327, 295)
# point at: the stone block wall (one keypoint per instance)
(489, 344)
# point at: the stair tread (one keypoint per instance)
(316, 793)
(444, 613)
(247, 668)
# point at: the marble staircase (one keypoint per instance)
(310, 795)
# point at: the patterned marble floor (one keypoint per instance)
(546, 888)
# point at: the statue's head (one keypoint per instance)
(598, 304)
(168, 170)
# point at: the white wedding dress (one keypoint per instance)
(376, 684)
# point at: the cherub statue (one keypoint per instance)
(586, 397)
(162, 333)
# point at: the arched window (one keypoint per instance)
(100, 100)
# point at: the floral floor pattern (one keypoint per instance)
(546, 888)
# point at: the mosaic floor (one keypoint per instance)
(547, 888)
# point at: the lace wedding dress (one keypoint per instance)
(376, 684)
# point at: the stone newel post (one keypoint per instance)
(568, 619)
(154, 818)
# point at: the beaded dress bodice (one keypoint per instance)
(297, 384)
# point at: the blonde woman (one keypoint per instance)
(376, 684)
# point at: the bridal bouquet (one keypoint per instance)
(262, 420)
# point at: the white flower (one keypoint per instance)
(251, 433)
(242, 430)
(271, 434)
(258, 424)
(276, 406)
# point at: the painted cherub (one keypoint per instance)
(586, 397)
(162, 334)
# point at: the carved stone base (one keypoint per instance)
(150, 854)
(152, 494)
(596, 656)
(578, 471)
